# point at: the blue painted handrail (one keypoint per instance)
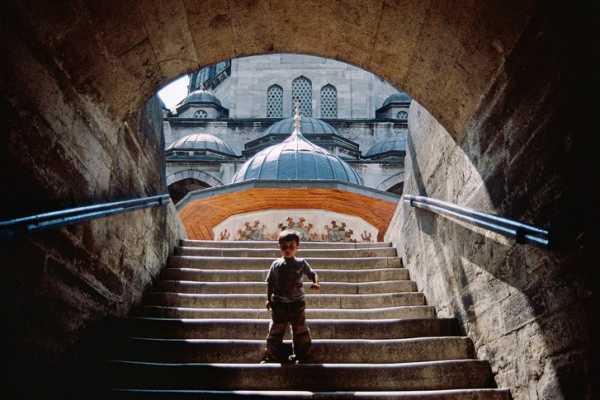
(75, 215)
(521, 232)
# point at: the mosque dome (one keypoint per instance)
(296, 158)
(201, 96)
(397, 145)
(309, 126)
(202, 141)
(399, 97)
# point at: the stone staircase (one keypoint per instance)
(201, 331)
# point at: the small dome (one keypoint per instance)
(309, 126)
(202, 141)
(201, 96)
(399, 97)
(385, 146)
(296, 158)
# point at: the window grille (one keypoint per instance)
(328, 101)
(302, 92)
(275, 101)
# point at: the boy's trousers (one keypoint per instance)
(283, 314)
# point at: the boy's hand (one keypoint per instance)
(315, 286)
(268, 304)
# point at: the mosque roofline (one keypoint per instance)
(279, 183)
(307, 135)
(242, 159)
(391, 105)
(185, 106)
(331, 121)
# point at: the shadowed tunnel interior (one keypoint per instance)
(495, 85)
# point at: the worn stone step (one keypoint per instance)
(401, 312)
(261, 287)
(451, 394)
(313, 299)
(325, 275)
(428, 375)
(209, 262)
(322, 350)
(308, 253)
(174, 328)
(272, 244)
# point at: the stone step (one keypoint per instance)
(261, 287)
(308, 253)
(401, 312)
(272, 244)
(325, 275)
(313, 300)
(210, 262)
(174, 328)
(428, 375)
(322, 350)
(452, 394)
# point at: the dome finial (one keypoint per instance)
(297, 118)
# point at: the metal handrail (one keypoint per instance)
(521, 232)
(70, 216)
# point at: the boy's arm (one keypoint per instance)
(269, 288)
(311, 274)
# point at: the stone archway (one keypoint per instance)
(194, 174)
(494, 74)
(139, 47)
(394, 181)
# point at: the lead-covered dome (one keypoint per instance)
(202, 97)
(396, 146)
(309, 126)
(296, 158)
(399, 97)
(201, 141)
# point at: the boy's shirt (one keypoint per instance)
(285, 277)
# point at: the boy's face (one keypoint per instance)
(288, 248)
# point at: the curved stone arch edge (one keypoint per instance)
(190, 173)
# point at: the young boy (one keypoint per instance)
(285, 299)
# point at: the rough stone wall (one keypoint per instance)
(527, 309)
(64, 287)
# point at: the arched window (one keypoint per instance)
(275, 102)
(200, 114)
(402, 115)
(302, 92)
(328, 101)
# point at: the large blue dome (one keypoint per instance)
(296, 158)
(309, 126)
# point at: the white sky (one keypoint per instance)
(174, 92)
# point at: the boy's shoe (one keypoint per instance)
(288, 360)
(300, 360)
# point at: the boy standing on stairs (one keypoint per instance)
(285, 299)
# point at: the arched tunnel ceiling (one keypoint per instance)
(444, 54)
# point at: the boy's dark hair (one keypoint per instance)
(288, 235)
